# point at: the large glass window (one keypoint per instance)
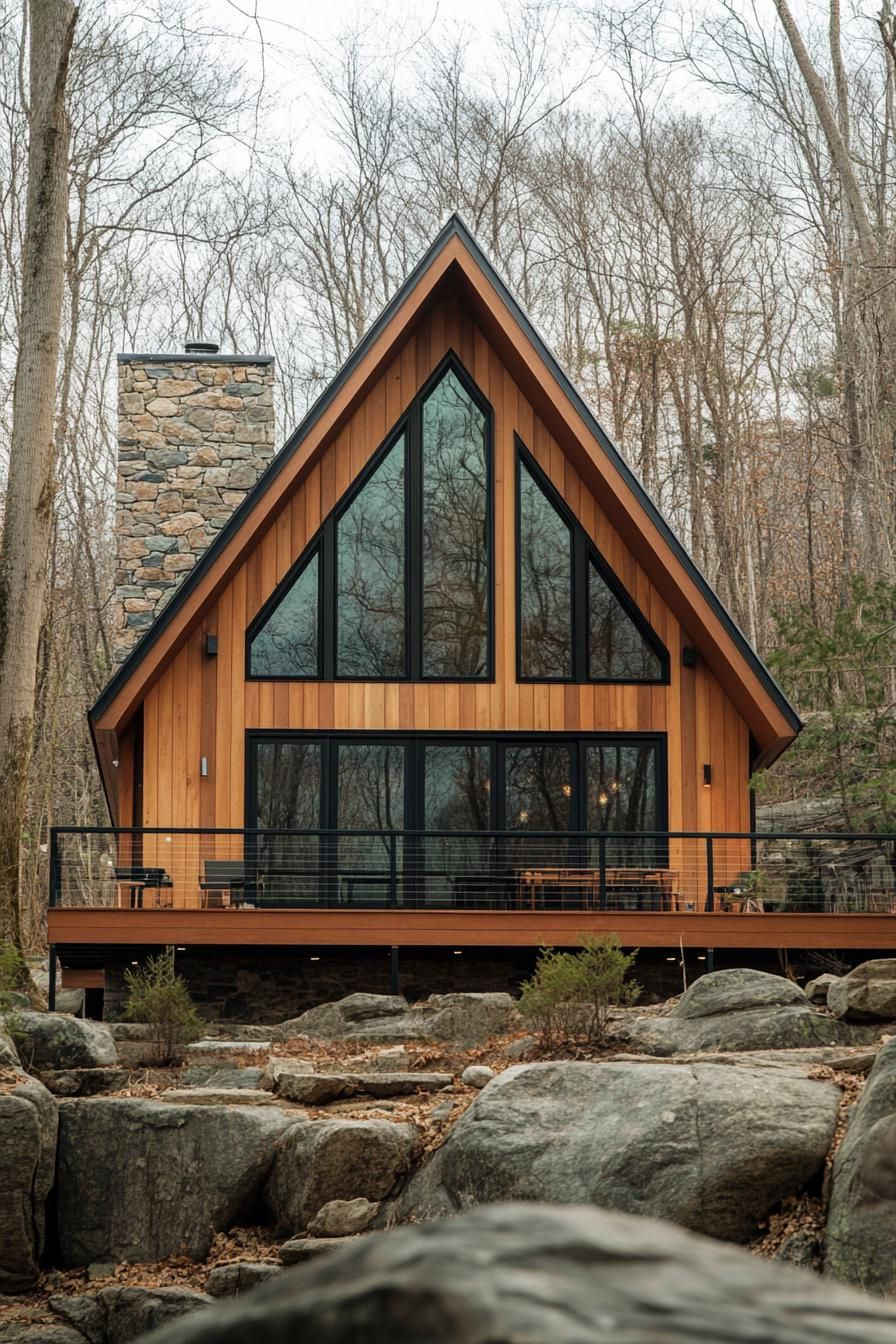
(617, 649)
(621, 784)
(545, 576)
(450, 795)
(285, 869)
(286, 644)
(454, 458)
(539, 787)
(457, 786)
(370, 564)
(576, 623)
(400, 571)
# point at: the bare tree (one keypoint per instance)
(28, 519)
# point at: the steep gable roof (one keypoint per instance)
(455, 257)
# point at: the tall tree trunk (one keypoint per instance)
(28, 520)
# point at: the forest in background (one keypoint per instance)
(695, 208)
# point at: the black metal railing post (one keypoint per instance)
(602, 872)
(55, 869)
(393, 868)
(710, 875)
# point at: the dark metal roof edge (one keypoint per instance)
(135, 657)
(183, 357)
(454, 227)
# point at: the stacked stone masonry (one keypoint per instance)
(195, 433)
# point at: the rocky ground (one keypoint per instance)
(748, 1110)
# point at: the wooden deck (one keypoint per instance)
(104, 928)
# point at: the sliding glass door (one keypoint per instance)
(479, 810)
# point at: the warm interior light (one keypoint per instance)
(523, 816)
(701, 958)
(615, 786)
(566, 790)
(603, 798)
(180, 949)
(458, 952)
(314, 958)
(707, 776)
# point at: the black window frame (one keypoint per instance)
(415, 742)
(324, 540)
(583, 552)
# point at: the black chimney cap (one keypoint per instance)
(201, 347)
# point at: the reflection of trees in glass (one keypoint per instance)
(545, 584)
(287, 643)
(621, 795)
(371, 786)
(287, 788)
(370, 586)
(616, 647)
(455, 544)
(457, 787)
(538, 790)
(287, 797)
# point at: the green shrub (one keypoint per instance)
(571, 993)
(158, 996)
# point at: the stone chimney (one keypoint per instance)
(196, 430)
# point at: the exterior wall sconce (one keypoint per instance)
(689, 655)
(707, 776)
(211, 646)
(203, 767)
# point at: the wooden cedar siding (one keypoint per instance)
(202, 706)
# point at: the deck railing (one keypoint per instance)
(683, 871)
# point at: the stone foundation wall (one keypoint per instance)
(195, 433)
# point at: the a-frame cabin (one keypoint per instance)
(445, 678)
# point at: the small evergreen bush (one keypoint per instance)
(158, 996)
(571, 993)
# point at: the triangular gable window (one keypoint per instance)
(286, 642)
(398, 581)
(576, 621)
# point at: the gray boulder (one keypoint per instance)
(140, 1180)
(45, 1332)
(860, 1240)
(335, 1159)
(217, 1096)
(712, 1148)
(56, 1041)
(735, 1010)
(816, 990)
(477, 1075)
(299, 1249)
(343, 1218)
(205, 1075)
(28, 1125)
(736, 991)
(867, 994)
(118, 1315)
(84, 1082)
(465, 1019)
(527, 1274)
(9, 1055)
(231, 1280)
(351, 1017)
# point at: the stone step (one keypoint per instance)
(317, 1089)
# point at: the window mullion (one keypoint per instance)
(579, 605)
(327, 597)
(414, 544)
